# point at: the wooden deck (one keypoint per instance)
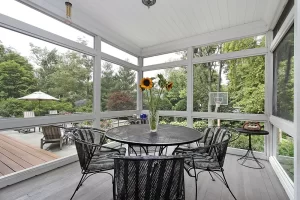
(246, 183)
(16, 156)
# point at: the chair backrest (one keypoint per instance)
(51, 132)
(89, 134)
(28, 114)
(84, 142)
(52, 112)
(218, 152)
(149, 177)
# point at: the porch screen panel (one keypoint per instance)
(29, 65)
(118, 53)
(241, 80)
(165, 58)
(118, 87)
(231, 46)
(176, 98)
(285, 152)
(283, 93)
(35, 18)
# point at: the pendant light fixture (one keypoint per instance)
(149, 2)
(68, 10)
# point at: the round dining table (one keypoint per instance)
(166, 135)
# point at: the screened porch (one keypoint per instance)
(229, 62)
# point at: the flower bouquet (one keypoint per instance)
(154, 89)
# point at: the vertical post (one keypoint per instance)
(268, 95)
(97, 83)
(139, 100)
(297, 101)
(189, 94)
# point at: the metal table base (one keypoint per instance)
(248, 156)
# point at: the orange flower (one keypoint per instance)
(146, 83)
(169, 86)
(142, 89)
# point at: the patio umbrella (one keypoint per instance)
(39, 96)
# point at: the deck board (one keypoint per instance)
(60, 184)
(30, 150)
(51, 155)
(16, 155)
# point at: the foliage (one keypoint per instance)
(286, 147)
(15, 108)
(123, 80)
(16, 74)
(120, 100)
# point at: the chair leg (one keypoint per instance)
(78, 186)
(212, 178)
(61, 143)
(42, 143)
(225, 181)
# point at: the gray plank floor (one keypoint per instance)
(246, 184)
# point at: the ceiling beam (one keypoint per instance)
(245, 30)
(81, 21)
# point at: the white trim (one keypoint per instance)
(27, 29)
(284, 179)
(268, 93)
(139, 100)
(190, 81)
(224, 35)
(88, 25)
(36, 170)
(97, 83)
(285, 125)
(231, 55)
(116, 114)
(15, 123)
(166, 113)
(272, 18)
(112, 59)
(297, 101)
(231, 116)
(242, 152)
(288, 22)
(166, 65)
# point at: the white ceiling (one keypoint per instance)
(171, 20)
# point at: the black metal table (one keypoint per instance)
(166, 135)
(246, 157)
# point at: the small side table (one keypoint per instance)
(247, 156)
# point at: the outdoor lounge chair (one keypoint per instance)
(52, 134)
(53, 112)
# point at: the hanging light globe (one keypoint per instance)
(149, 2)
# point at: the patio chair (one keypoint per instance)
(52, 134)
(93, 156)
(53, 112)
(210, 158)
(207, 139)
(149, 177)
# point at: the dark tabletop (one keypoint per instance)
(252, 132)
(166, 135)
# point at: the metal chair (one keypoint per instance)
(149, 177)
(207, 139)
(210, 158)
(93, 156)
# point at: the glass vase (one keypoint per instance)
(153, 120)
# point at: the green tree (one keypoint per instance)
(16, 74)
